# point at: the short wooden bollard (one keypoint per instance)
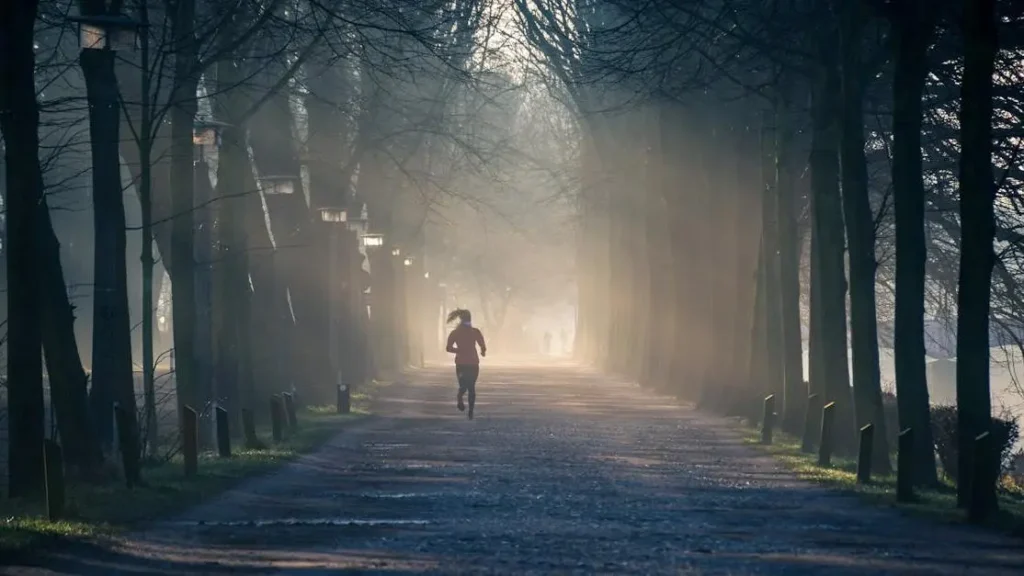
(276, 418)
(53, 471)
(984, 471)
(289, 408)
(864, 453)
(905, 466)
(828, 418)
(810, 424)
(344, 399)
(190, 440)
(223, 433)
(127, 439)
(768, 419)
(252, 442)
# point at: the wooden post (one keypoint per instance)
(867, 437)
(984, 473)
(190, 440)
(223, 433)
(768, 419)
(344, 399)
(127, 439)
(828, 417)
(252, 442)
(53, 472)
(905, 467)
(810, 424)
(276, 423)
(289, 407)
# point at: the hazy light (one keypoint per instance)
(278, 185)
(372, 240)
(333, 215)
(408, 262)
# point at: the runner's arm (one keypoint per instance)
(450, 348)
(480, 341)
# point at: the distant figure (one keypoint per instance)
(462, 342)
(547, 343)
(565, 342)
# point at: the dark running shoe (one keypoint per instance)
(462, 407)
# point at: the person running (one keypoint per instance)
(462, 342)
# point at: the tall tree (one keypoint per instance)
(828, 228)
(19, 121)
(860, 234)
(183, 107)
(112, 378)
(912, 26)
(977, 232)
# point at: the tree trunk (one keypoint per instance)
(827, 222)
(146, 129)
(203, 245)
(913, 30)
(977, 232)
(795, 403)
(860, 232)
(19, 121)
(113, 379)
(774, 378)
(236, 192)
(758, 361)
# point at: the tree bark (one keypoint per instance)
(860, 233)
(769, 275)
(236, 192)
(113, 377)
(827, 223)
(183, 285)
(795, 403)
(977, 232)
(19, 121)
(913, 27)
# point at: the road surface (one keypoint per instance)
(563, 471)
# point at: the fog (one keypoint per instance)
(325, 190)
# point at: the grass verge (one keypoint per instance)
(935, 504)
(98, 510)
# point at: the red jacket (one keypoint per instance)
(463, 341)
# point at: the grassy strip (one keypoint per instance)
(936, 504)
(109, 508)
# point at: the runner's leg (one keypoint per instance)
(461, 377)
(472, 374)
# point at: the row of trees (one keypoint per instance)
(243, 128)
(755, 170)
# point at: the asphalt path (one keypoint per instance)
(563, 471)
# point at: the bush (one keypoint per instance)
(1005, 432)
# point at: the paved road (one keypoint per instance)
(561, 472)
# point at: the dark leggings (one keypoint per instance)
(467, 375)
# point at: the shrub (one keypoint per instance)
(1005, 432)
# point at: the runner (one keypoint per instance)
(462, 342)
